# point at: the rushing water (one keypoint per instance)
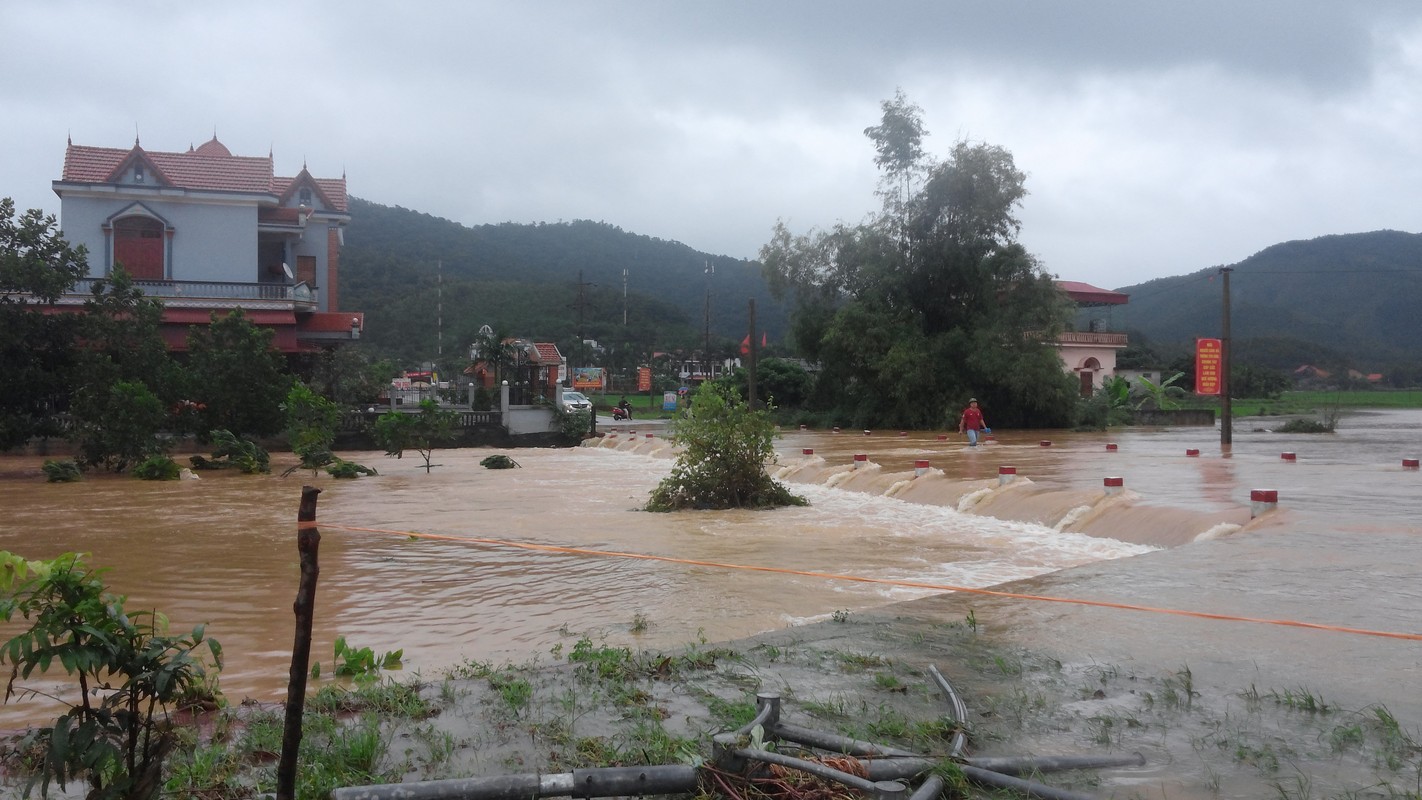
(1343, 549)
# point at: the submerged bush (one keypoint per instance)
(724, 449)
(62, 471)
(158, 468)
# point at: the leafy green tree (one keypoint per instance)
(933, 300)
(130, 674)
(724, 449)
(346, 375)
(311, 424)
(37, 266)
(238, 374)
(397, 431)
(782, 384)
(117, 426)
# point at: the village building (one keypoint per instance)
(205, 231)
(1091, 354)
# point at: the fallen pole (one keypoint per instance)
(603, 782)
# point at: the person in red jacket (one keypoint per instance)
(972, 422)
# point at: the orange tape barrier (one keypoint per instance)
(549, 548)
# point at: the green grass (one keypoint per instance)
(1314, 402)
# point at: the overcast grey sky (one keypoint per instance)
(1158, 137)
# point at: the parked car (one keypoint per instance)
(575, 401)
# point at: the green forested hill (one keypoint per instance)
(1353, 299)
(401, 266)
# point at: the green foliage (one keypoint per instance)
(36, 349)
(360, 663)
(230, 452)
(573, 425)
(780, 384)
(499, 461)
(62, 471)
(238, 374)
(120, 340)
(311, 420)
(397, 264)
(1304, 426)
(933, 300)
(158, 468)
(397, 431)
(117, 738)
(341, 468)
(1164, 395)
(724, 449)
(1108, 405)
(117, 425)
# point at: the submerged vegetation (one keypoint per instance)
(724, 447)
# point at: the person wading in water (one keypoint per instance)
(972, 422)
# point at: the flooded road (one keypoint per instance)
(1344, 549)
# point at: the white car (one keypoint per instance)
(575, 401)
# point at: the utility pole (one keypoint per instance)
(750, 366)
(439, 311)
(1226, 416)
(710, 269)
(580, 305)
(624, 298)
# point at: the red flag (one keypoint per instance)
(745, 345)
(762, 339)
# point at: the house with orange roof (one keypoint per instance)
(205, 231)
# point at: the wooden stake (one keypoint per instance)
(308, 541)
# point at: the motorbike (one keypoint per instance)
(620, 413)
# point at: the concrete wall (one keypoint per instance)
(210, 242)
(520, 420)
(1184, 416)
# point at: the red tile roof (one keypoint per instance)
(1086, 293)
(210, 167)
(548, 353)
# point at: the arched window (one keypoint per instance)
(138, 246)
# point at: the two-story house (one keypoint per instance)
(204, 231)
(1091, 354)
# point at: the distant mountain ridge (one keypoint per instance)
(1347, 299)
(1355, 295)
(522, 278)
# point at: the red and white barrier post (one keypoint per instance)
(1006, 475)
(1262, 500)
(860, 460)
(1113, 485)
(920, 467)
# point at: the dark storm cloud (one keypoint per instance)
(1158, 137)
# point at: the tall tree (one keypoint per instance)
(238, 374)
(934, 299)
(37, 266)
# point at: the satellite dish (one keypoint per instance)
(286, 269)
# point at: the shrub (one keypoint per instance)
(129, 674)
(724, 449)
(62, 471)
(158, 468)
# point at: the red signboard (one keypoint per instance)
(1209, 357)
(644, 379)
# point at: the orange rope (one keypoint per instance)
(549, 548)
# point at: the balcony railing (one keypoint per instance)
(1092, 338)
(211, 294)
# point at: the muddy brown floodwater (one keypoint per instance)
(1342, 550)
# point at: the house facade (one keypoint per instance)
(1091, 354)
(205, 231)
